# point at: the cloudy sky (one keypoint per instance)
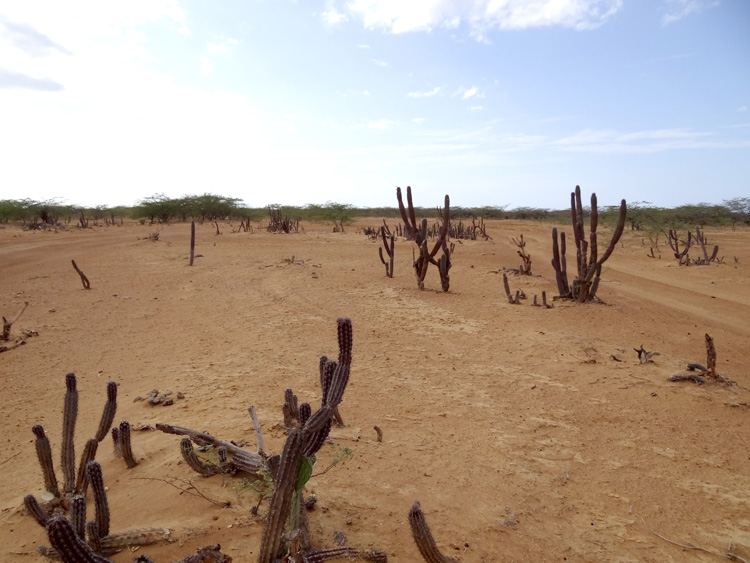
(495, 102)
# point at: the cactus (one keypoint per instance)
(69, 546)
(117, 444)
(589, 264)
(281, 500)
(419, 236)
(423, 537)
(127, 449)
(109, 411)
(388, 243)
(321, 555)
(70, 413)
(44, 453)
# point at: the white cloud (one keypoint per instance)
(363, 46)
(366, 93)
(396, 16)
(679, 9)
(433, 92)
(418, 120)
(380, 124)
(378, 62)
(222, 47)
(742, 109)
(206, 68)
(468, 93)
(333, 17)
(476, 108)
(642, 142)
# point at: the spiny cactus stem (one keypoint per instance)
(281, 500)
(109, 411)
(44, 453)
(69, 546)
(95, 540)
(70, 413)
(127, 449)
(35, 509)
(96, 480)
(423, 537)
(78, 515)
(89, 453)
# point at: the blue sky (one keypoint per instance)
(495, 102)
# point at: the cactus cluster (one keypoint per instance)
(588, 262)
(419, 234)
(388, 244)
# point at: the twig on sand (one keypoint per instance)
(190, 487)
(729, 555)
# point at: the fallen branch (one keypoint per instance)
(730, 555)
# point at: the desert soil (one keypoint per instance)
(528, 434)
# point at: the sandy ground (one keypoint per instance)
(521, 435)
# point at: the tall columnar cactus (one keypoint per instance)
(70, 413)
(425, 257)
(589, 263)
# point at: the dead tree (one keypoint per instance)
(281, 224)
(419, 235)
(589, 264)
(192, 242)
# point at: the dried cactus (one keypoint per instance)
(708, 370)
(423, 537)
(585, 284)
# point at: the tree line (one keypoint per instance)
(159, 208)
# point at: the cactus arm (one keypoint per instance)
(101, 514)
(423, 537)
(127, 448)
(89, 453)
(44, 453)
(109, 411)
(35, 509)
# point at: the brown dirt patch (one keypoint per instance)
(513, 425)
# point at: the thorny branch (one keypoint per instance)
(729, 555)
